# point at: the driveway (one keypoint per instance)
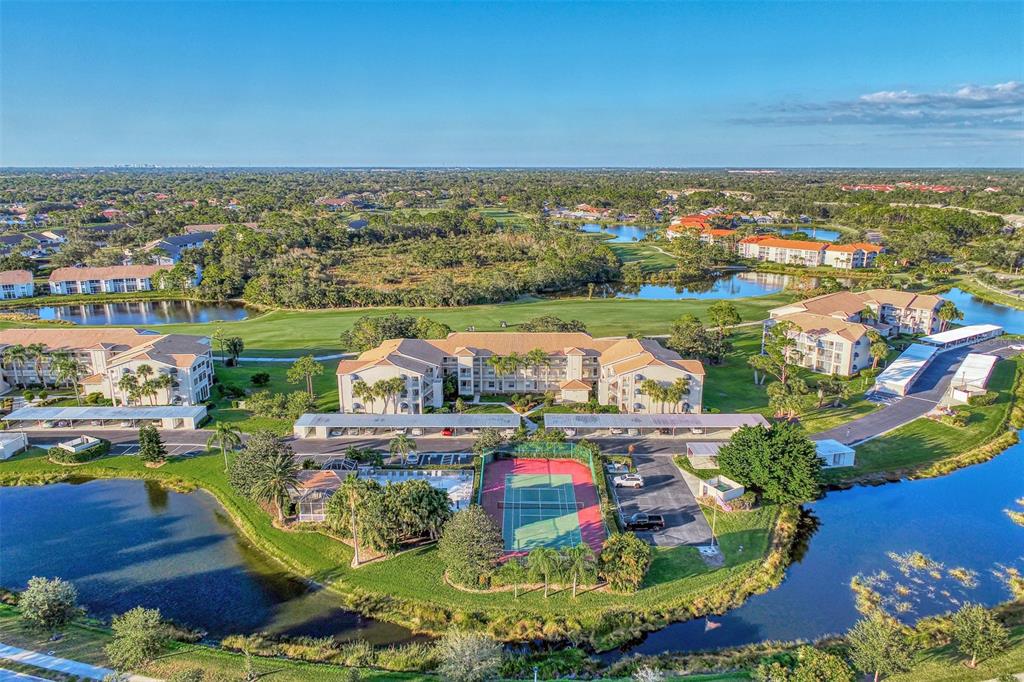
(924, 395)
(666, 493)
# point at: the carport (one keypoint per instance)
(339, 425)
(165, 416)
(680, 425)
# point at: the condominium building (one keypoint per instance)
(115, 279)
(787, 251)
(16, 284)
(852, 256)
(891, 311)
(573, 365)
(108, 354)
(796, 252)
(833, 329)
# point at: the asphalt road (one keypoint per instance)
(924, 395)
(666, 493)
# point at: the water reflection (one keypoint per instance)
(128, 543)
(620, 233)
(980, 311)
(140, 312)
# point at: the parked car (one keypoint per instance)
(615, 431)
(642, 521)
(629, 481)
(417, 432)
(47, 425)
(412, 459)
(447, 431)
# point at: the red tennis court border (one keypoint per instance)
(591, 524)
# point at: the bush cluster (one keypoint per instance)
(62, 456)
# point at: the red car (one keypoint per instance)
(446, 431)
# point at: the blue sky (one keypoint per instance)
(512, 84)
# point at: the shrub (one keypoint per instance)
(138, 637)
(28, 395)
(94, 398)
(188, 675)
(260, 379)
(43, 395)
(624, 561)
(470, 546)
(49, 603)
(62, 456)
(986, 398)
(468, 657)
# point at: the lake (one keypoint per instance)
(980, 311)
(127, 543)
(956, 519)
(736, 285)
(819, 233)
(140, 312)
(620, 233)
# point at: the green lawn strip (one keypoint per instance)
(289, 333)
(945, 664)
(409, 588)
(325, 387)
(649, 257)
(924, 441)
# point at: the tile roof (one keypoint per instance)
(856, 246)
(574, 385)
(178, 350)
(811, 323)
(902, 299)
(109, 272)
(15, 277)
(777, 243)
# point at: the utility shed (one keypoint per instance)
(834, 454)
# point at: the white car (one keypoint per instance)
(417, 432)
(629, 481)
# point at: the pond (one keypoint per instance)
(620, 233)
(127, 543)
(735, 285)
(140, 312)
(957, 520)
(819, 233)
(980, 311)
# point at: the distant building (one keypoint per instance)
(16, 284)
(778, 250)
(852, 256)
(893, 312)
(115, 279)
(172, 247)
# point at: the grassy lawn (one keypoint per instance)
(729, 387)
(944, 664)
(325, 386)
(85, 642)
(288, 333)
(925, 440)
(410, 589)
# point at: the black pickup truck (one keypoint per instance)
(643, 521)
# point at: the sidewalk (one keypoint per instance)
(61, 665)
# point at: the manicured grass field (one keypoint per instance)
(325, 386)
(288, 333)
(651, 258)
(925, 440)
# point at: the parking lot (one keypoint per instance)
(665, 493)
(172, 449)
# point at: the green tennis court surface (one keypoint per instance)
(540, 510)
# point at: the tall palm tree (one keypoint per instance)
(225, 435)
(948, 312)
(365, 392)
(389, 390)
(578, 563)
(653, 390)
(275, 476)
(544, 561)
(67, 369)
(537, 358)
(15, 356)
(401, 445)
(36, 352)
(128, 384)
(678, 390)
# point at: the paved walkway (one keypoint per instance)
(61, 665)
(318, 358)
(11, 676)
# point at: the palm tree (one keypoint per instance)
(225, 435)
(653, 390)
(504, 366)
(868, 314)
(513, 571)
(878, 348)
(401, 445)
(353, 489)
(365, 392)
(579, 563)
(544, 561)
(536, 359)
(15, 356)
(128, 384)
(948, 312)
(36, 352)
(389, 390)
(275, 477)
(678, 390)
(67, 369)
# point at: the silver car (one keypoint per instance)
(629, 481)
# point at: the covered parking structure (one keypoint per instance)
(904, 370)
(962, 336)
(164, 416)
(717, 426)
(340, 425)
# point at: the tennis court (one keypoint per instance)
(542, 503)
(539, 510)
